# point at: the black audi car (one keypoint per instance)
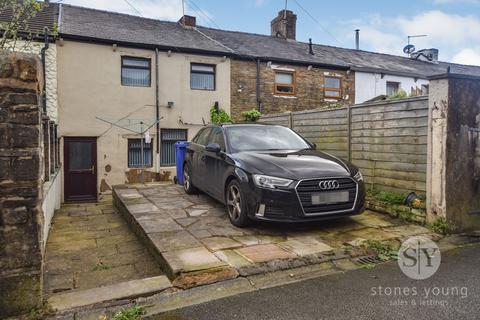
(269, 172)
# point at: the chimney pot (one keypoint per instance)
(284, 25)
(188, 21)
(357, 39)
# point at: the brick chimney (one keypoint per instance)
(284, 25)
(188, 21)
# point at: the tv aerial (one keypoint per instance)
(410, 48)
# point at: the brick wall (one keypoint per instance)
(309, 88)
(21, 170)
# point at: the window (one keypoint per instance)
(202, 76)
(217, 137)
(135, 153)
(169, 137)
(333, 87)
(284, 83)
(202, 137)
(425, 89)
(392, 87)
(135, 72)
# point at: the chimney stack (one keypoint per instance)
(284, 25)
(357, 39)
(310, 46)
(188, 21)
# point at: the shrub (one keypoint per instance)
(219, 116)
(251, 115)
(400, 94)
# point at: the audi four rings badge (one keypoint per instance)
(329, 184)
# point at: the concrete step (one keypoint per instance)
(123, 290)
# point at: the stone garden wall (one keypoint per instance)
(21, 178)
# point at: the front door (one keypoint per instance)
(80, 168)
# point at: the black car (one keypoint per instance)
(269, 172)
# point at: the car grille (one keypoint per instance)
(306, 188)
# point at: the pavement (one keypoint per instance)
(90, 245)
(380, 293)
(196, 244)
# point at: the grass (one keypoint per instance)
(101, 266)
(132, 313)
(385, 250)
(41, 312)
(441, 226)
(388, 197)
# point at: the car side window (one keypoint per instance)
(217, 137)
(202, 138)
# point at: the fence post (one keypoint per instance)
(290, 120)
(349, 133)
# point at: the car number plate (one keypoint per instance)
(330, 197)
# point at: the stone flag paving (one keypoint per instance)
(193, 240)
(90, 245)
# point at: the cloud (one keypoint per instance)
(157, 9)
(468, 56)
(261, 3)
(456, 36)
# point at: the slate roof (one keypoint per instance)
(118, 27)
(47, 17)
(272, 47)
(104, 26)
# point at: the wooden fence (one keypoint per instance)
(387, 140)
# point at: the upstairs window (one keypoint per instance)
(333, 87)
(284, 83)
(135, 159)
(392, 87)
(135, 72)
(202, 76)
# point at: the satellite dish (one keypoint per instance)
(408, 49)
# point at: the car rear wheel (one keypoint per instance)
(236, 208)
(187, 181)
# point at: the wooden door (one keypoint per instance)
(80, 168)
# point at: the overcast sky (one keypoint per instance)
(452, 26)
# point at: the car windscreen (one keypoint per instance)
(258, 138)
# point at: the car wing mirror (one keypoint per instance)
(213, 147)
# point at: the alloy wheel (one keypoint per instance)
(234, 202)
(186, 178)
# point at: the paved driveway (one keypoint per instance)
(193, 238)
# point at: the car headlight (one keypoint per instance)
(264, 181)
(358, 176)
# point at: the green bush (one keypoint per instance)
(219, 116)
(400, 94)
(251, 115)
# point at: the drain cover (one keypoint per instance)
(368, 260)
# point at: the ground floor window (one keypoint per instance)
(392, 87)
(135, 159)
(169, 137)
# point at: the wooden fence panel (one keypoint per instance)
(387, 140)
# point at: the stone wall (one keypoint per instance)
(309, 88)
(21, 170)
(454, 139)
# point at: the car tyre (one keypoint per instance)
(187, 181)
(236, 205)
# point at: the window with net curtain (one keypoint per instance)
(202, 76)
(136, 72)
(285, 83)
(333, 87)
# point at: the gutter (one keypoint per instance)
(43, 54)
(157, 113)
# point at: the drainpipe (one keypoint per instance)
(43, 54)
(157, 112)
(259, 101)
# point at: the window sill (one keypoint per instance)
(202, 89)
(285, 96)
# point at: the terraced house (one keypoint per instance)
(120, 76)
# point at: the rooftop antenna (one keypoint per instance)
(410, 48)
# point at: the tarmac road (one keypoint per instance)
(380, 293)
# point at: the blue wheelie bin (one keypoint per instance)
(180, 151)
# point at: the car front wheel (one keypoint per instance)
(236, 205)
(187, 181)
